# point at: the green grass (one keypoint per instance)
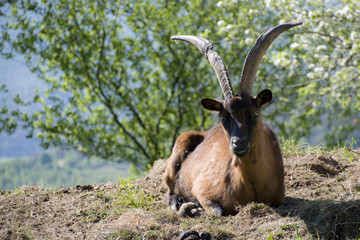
(133, 197)
(293, 146)
(348, 149)
(114, 204)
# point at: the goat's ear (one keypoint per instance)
(212, 104)
(263, 98)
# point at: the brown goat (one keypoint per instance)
(237, 161)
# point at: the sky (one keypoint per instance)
(19, 80)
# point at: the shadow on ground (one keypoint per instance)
(325, 219)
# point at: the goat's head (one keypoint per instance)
(239, 114)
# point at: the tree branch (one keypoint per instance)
(104, 99)
(130, 106)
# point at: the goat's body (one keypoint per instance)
(213, 176)
(239, 160)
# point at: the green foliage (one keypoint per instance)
(292, 146)
(7, 121)
(132, 196)
(118, 88)
(127, 90)
(297, 232)
(270, 237)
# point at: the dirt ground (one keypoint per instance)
(322, 201)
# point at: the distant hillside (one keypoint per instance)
(17, 145)
(56, 168)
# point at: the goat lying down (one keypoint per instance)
(238, 160)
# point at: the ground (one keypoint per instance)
(322, 201)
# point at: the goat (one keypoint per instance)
(238, 160)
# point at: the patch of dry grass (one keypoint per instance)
(322, 201)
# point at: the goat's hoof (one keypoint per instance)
(194, 235)
(190, 235)
(174, 201)
(205, 236)
(190, 210)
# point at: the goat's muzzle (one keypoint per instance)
(239, 146)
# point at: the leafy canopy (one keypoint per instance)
(119, 88)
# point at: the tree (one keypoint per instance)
(314, 73)
(119, 88)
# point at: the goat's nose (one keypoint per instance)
(238, 142)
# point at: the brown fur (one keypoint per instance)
(185, 144)
(203, 169)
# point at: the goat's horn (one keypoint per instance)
(215, 60)
(257, 52)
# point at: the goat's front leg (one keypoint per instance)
(212, 207)
(174, 201)
(191, 209)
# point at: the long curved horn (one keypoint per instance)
(205, 47)
(257, 52)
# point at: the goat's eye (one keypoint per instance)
(257, 113)
(222, 115)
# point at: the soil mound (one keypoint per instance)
(322, 201)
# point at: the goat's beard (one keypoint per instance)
(240, 153)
